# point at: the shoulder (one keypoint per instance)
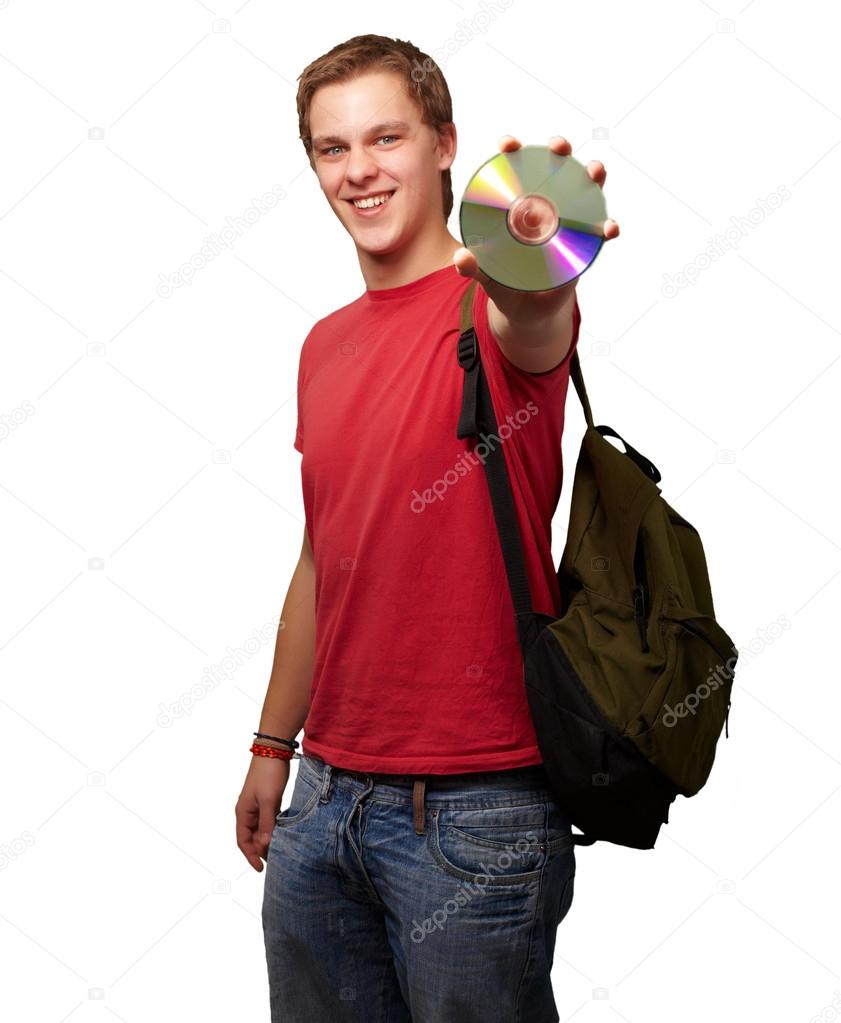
(332, 329)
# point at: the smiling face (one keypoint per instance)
(368, 140)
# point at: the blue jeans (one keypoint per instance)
(366, 920)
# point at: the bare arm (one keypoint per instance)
(284, 712)
(288, 696)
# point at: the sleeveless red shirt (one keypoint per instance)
(417, 666)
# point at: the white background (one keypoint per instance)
(150, 493)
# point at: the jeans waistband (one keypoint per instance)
(472, 790)
(533, 776)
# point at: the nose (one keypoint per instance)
(361, 165)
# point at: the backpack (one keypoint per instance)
(628, 688)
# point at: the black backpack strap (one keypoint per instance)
(468, 357)
(647, 466)
(478, 419)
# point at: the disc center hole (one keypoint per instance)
(533, 219)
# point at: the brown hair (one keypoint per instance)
(424, 82)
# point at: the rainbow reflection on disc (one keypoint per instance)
(533, 219)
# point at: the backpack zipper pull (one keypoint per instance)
(639, 615)
(726, 720)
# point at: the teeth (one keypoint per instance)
(377, 200)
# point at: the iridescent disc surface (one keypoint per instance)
(566, 215)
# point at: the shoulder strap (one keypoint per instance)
(477, 419)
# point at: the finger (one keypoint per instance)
(611, 229)
(507, 144)
(268, 813)
(467, 265)
(558, 144)
(252, 853)
(246, 821)
(595, 168)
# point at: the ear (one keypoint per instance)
(447, 145)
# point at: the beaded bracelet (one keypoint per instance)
(275, 745)
(262, 750)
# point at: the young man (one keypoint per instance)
(423, 865)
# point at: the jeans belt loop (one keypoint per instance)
(324, 794)
(418, 792)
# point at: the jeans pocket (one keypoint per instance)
(304, 799)
(490, 845)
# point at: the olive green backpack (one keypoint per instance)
(629, 688)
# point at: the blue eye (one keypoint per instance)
(329, 149)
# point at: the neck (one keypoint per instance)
(398, 268)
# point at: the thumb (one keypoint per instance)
(265, 825)
(468, 266)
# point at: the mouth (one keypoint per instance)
(374, 205)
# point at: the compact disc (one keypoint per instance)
(533, 219)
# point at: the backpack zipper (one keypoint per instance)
(696, 631)
(639, 615)
(639, 591)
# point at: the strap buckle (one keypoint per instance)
(468, 350)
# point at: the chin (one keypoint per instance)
(379, 245)
(379, 250)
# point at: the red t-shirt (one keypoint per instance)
(417, 664)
